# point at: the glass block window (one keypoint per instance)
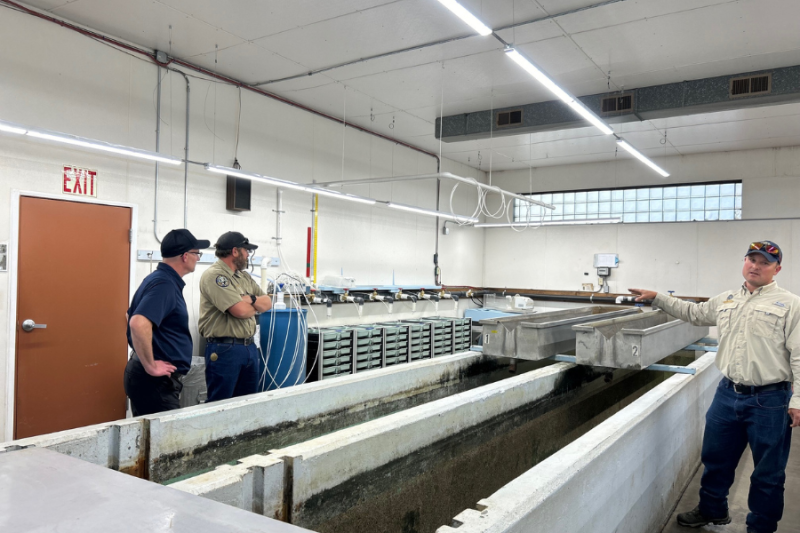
(672, 203)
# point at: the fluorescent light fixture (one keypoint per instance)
(641, 157)
(227, 171)
(104, 146)
(432, 212)
(564, 96)
(341, 195)
(83, 142)
(288, 184)
(549, 223)
(593, 119)
(12, 128)
(462, 13)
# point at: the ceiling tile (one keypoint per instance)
(147, 23)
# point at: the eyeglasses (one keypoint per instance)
(198, 254)
(769, 248)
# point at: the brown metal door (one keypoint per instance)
(73, 277)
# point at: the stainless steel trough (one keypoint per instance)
(633, 342)
(537, 337)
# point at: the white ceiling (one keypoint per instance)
(639, 42)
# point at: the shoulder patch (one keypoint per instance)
(222, 281)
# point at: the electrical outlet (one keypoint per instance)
(274, 261)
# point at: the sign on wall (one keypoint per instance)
(79, 181)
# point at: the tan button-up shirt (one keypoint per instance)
(220, 289)
(759, 337)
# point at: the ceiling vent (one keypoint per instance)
(621, 103)
(509, 118)
(751, 85)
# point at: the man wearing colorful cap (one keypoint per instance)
(229, 302)
(158, 328)
(759, 356)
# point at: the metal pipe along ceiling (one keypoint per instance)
(185, 152)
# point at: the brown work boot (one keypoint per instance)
(694, 519)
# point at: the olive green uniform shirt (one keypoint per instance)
(759, 337)
(221, 288)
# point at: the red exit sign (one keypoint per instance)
(79, 181)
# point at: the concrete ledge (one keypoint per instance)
(200, 437)
(254, 484)
(625, 475)
(117, 445)
(331, 460)
(205, 436)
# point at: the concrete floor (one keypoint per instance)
(737, 500)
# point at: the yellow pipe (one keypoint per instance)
(316, 230)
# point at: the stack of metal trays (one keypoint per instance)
(396, 343)
(424, 348)
(369, 347)
(442, 335)
(543, 335)
(462, 336)
(330, 352)
(633, 342)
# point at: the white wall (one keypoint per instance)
(56, 79)
(691, 258)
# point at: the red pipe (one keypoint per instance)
(308, 255)
(114, 42)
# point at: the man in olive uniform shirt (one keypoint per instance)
(759, 356)
(229, 302)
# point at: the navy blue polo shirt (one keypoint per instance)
(160, 300)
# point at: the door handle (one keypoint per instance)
(30, 325)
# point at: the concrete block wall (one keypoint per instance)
(625, 475)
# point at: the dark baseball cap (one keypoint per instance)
(180, 241)
(234, 239)
(771, 251)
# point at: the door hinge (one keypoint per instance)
(130, 235)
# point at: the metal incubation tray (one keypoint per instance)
(633, 342)
(537, 337)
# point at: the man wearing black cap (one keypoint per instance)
(759, 356)
(229, 302)
(158, 328)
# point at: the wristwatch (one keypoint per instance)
(253, 298)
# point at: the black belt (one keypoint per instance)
(230, 340)
(738, 388)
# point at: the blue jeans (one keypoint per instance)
(733, 421)
(235, 372)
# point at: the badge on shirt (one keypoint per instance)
(728, 301)
(222, 281)
(780, 304)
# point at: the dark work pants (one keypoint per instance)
(150, 394)
(733, 421)
(235, 372)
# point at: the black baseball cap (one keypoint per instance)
(771, 251)
(234, 239)
(180, 241)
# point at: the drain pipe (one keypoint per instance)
(158, 143)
